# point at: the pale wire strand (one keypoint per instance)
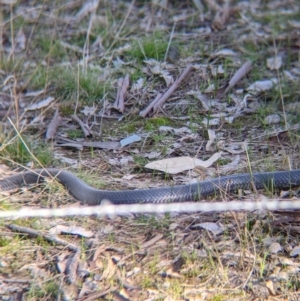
(121, 210)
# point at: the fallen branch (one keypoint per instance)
(239, 74)
(158, 102)
(86, 131)
(145, 112)
(48, 237)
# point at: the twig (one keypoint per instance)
(239, 74)
(47, 237)
(96, 295)
(53, 125)
(80, 144)
(151, 105)
(170, 40)
(86, 131)
(170, 91)
(157, 103)
(71, 270)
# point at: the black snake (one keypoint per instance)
(182, 193)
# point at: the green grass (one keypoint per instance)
(18, 150)
(4, 242)
(152, 47)
(154, 222)
(137, 73)
(11, 64)
(50, 49)
(67, 108)
(154, 123)
(72, 83)
(49, 289)
(74, 134)
(93, 180)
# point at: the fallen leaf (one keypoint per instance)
(262, 85)
(40, 104)
(152, 155)
(206, 102)
(272, 119)
(157, 69)
(270, 286)
(34, 93)
(179, 164)
(138, 85)
(110, 270)
(232, 165)
(211, 139)
(274, 63)
(209, 226)
(129, 140)
(211, 121)
(224, 53)
(59, 229)
(211, 88)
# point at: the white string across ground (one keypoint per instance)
(119, 210)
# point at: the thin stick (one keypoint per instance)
(151, 105)
(123, 84)
(86, 131)
(170, 40)
(48, 237)
(160, 100)
(171, 90)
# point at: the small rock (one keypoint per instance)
(275, 247)
(295, 251)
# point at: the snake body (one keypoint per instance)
(182, 193)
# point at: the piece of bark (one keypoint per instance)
(171, 90)
(72, 266)
(53, 125)
(86, 131)
(61, 142)
(222, 16)
(123, 84)
(158, 102)
(238, 75)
